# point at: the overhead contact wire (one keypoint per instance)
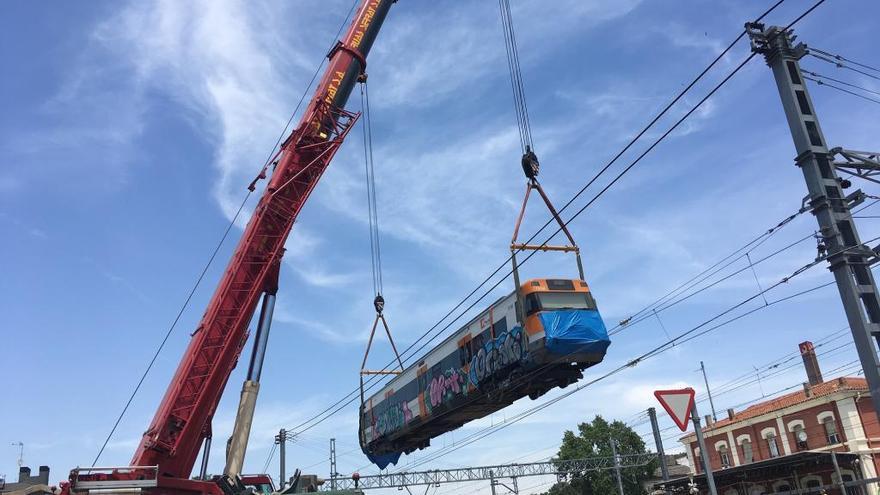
(333, 408)
(784, 280)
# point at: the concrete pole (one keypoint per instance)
(708, 391)
(282, 443)
(664, 469)
(704, 454)
(492, 481)
(333, 464)
(616, 466)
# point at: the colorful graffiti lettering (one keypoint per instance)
(391, 419)
(496, 355)
(445, 387)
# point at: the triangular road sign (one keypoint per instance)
(678, 403)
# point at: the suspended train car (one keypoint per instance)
(485, 366)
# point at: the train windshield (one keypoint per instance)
(550, 301)
(566, 300)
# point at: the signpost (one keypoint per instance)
(679, 403)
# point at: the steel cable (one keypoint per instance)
(350, 397)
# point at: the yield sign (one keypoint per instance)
(678, 403)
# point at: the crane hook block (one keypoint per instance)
(379, 304)
(530, 163)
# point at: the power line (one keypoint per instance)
(351, 396)
(714, 268)
(681, 299)
(683, 337)
(576, 214)
(171, 328)
(850, 366)
(269, 458)
(720, 389)
(582, 209)
(841, 82)
(842, 58)
(686, 336)
(826, 354)
(271, 154)
(779, 371)
(840, 65)
(844, 90)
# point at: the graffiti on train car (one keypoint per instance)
(445, 387)
(395, 417)
(497, 354)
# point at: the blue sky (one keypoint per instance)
(130, 131)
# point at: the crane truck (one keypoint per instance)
(164, 459)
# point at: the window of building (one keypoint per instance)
(725, 456)
(782, 487)
(811, 481)
(772, 446)
(748, 454)
(800, 437)
(831, 430)
(847, 476)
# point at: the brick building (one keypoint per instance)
(835, 415)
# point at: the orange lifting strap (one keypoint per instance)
(379, 304)
(530, 167)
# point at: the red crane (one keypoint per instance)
(182, 421)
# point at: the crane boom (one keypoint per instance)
(183, 418)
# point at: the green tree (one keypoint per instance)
(594, 440)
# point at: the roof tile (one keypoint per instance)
(783, 401)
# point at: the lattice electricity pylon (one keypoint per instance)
(864, 164)
(562, 469)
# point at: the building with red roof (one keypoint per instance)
(825, 416)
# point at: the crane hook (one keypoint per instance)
(379, 304)
(530, 163)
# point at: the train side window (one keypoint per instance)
(499, 327)
(476, 344)
(531, 303)
(463, 351)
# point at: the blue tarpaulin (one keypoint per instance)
(574, 331)
(383, 460)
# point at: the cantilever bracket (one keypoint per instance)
(864, 164)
